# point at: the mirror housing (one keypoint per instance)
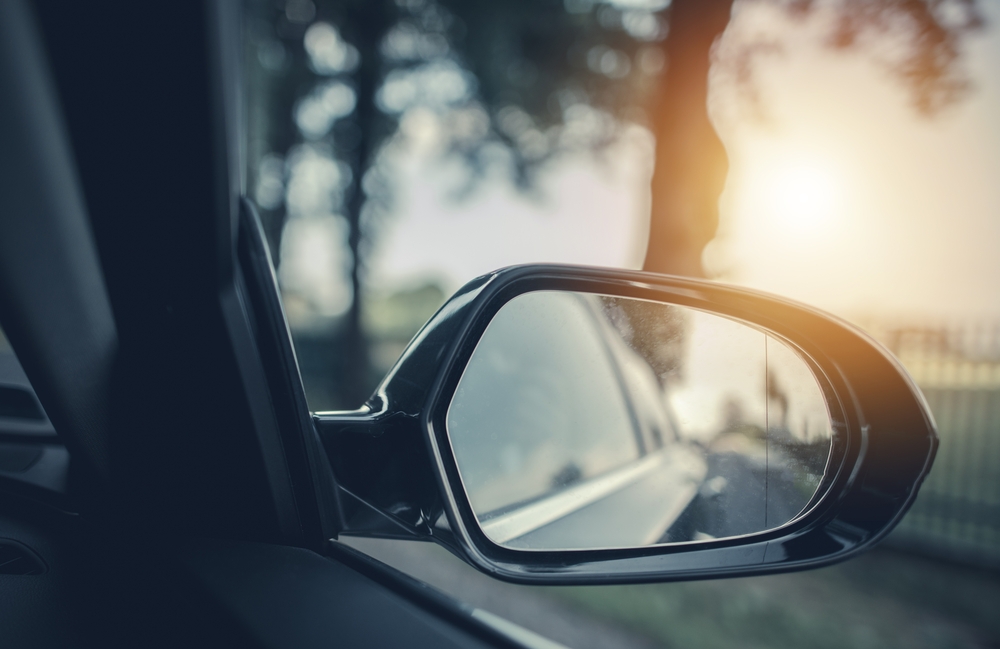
(398, 475)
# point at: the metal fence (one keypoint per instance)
(957, 514)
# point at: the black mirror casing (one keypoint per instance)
(399, 478)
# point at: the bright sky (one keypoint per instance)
(585, 212)
(843, 198)
(851, 201)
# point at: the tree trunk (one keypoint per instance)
(369, 25)
(691, 163)
(354, 342)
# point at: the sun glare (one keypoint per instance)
(802, 195)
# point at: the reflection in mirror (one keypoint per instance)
(585, 421)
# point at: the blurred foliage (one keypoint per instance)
(882, 599)
(517, 84)
(398, 315)
(917, 43)
(538, 77)
(392, 319)
(655, 331)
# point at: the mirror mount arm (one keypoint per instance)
(387, 486)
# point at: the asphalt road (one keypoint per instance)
(751, 499)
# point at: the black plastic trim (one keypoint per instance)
(426, 597)
(312, 481)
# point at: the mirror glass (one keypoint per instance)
(586, 421)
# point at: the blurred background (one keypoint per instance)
(845, 153)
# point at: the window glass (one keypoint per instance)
(844, 154)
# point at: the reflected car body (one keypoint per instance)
(563, 435)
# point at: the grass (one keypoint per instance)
(883, 599)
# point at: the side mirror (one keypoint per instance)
(556, 424)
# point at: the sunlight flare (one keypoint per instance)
(801, 195)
